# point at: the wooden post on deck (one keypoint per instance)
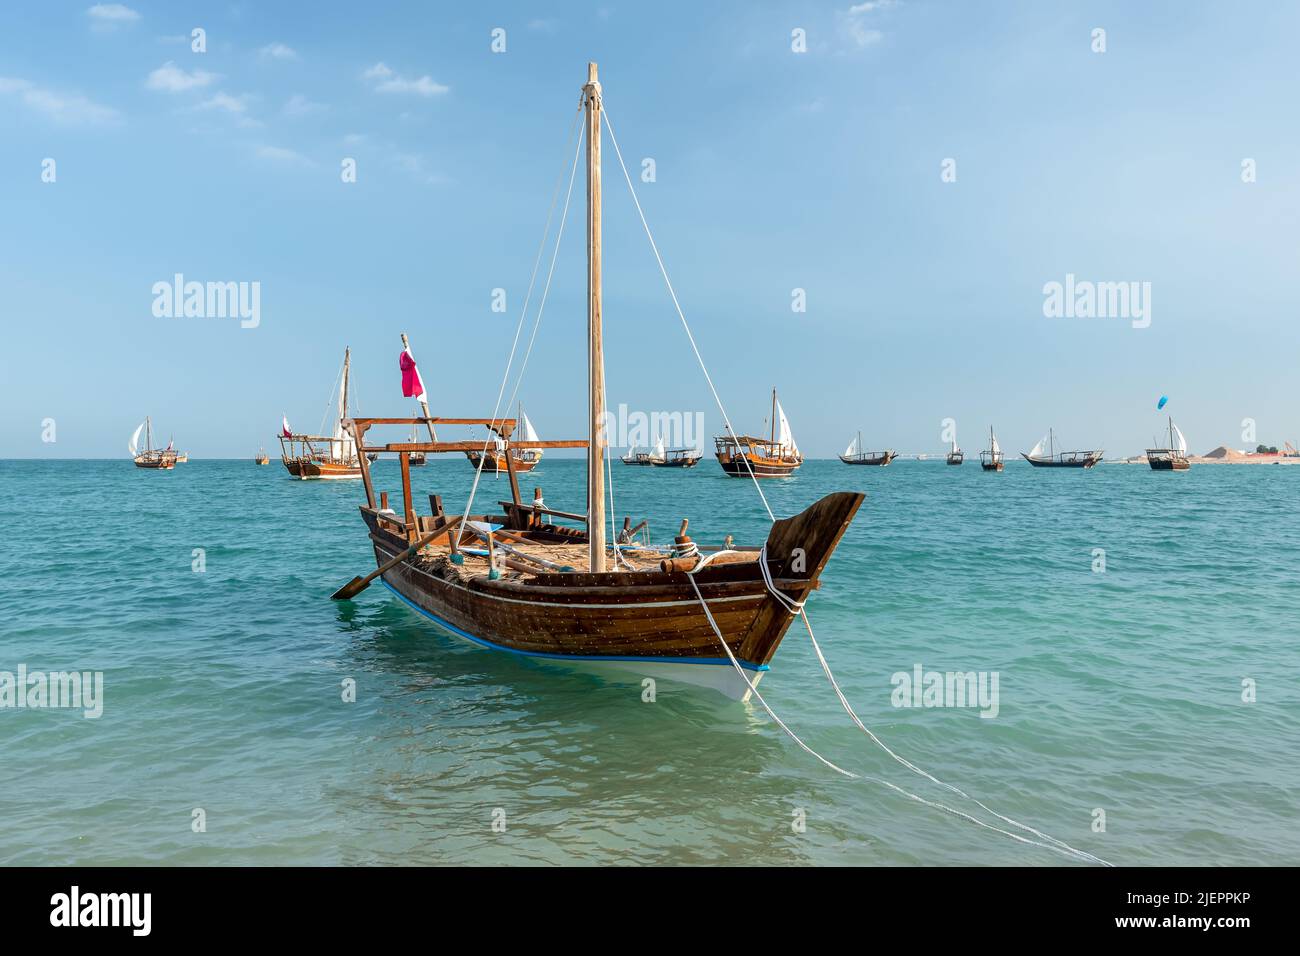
(510, 471)
(408, 507)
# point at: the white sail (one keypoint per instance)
(996, 448)
(1037, 450)
(955, 449)
(1180, 438)
(784, 436)
(530, 434)
(342, 446)
(134, 447)
(852, 449)
(659, 448)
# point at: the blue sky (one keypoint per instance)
(776, 170)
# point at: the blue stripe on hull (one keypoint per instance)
(596, 658)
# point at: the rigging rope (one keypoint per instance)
(796, 607)
(726, 420)
(523, 314)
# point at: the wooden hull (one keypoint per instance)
(955, 459)
(492, 462)
(880, 460)
(647, 622)
(1056, 463)
(328, 470)
(736, 467)
(156, 464)
(1169, 464)
(991, 466)
(676, 463)
(318, 469)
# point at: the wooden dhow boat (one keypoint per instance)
(854, 455)
(161, 459)
(521, 581)
(661, 457)
(1172, 458)
(526, 458)
(955, 455)
(992, 459)
(634, 457)
(745, 456)
(323, 457)
(262, 457)
(1045, 455)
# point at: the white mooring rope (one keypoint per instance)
(1063, 849)
(797, 607)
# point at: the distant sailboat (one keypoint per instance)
(854, 454)
(148, 456)
(663, 457)
(1045, 455)
(992, 459)
(262, 457)
(634, 457)
(774, 457)
(525, 459)
(955, 455)
(323, 456)
(417, 458)
(1173, 458)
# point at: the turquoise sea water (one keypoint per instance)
(1119, 691)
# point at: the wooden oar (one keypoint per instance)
(357, 585)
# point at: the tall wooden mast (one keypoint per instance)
(596, 347)
(343, 406)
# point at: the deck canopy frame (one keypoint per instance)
(504, 427)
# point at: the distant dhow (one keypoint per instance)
(1045, 455)
(855, 455)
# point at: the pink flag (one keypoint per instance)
(285, 431)
(411, 384)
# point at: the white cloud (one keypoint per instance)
(424, 86)
(861, 35)
(418, 169)
(542, 26)
(279, 154)
(278, 51)
(854, 22)
(170, 78)
(226, 103)
(64, 108)
(299, 105)
(392, 83)
(112, 12)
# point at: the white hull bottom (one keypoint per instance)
(329, 477)
(719, 677)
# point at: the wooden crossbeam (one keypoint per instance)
(453, 446)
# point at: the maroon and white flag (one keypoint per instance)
(412, 387)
